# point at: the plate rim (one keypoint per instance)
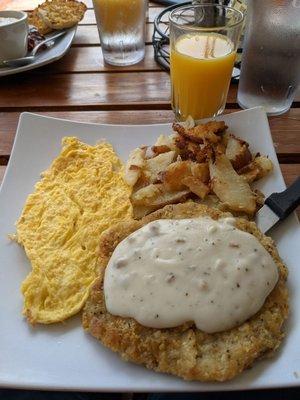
(38, 64)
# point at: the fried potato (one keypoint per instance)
(196, 186)
(230, 187)
(168, 197)
(153, 166)
(257, 169)
(157, 195)
(187, 174)
(186, 351)
(142, 181)
(164, 144)
(194, 147)
(237, 151)
(188, 123)
(200, 171)
(220, 148)
(145, 195)
(134, 165)
(208, 132)
(160, 149)
(193, 151)
(172, 177)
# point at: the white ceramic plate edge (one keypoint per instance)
(154, 379)
(71, 32)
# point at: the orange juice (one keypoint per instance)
(119, 15)
(201, 67)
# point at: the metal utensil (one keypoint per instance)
(278, 206)
(19, 62)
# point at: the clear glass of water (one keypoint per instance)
(121, 26)
(270, 72)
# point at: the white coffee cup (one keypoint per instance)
(13, 35)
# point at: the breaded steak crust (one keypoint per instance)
(186, 351)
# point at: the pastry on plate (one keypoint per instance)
(61, 14)
(56, 14)
(35, 19)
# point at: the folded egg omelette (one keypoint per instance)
(78, 197)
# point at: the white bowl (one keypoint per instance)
(13, 36)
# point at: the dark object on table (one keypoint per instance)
(34, 38)
(12, 394)
(278, 206)
(160, 38)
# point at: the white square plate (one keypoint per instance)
(63, 356)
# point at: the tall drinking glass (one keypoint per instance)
(203, 43)
(270, 72)
(121, 27)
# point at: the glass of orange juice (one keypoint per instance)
(121, 26)
(203, 44)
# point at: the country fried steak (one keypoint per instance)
(186, 351)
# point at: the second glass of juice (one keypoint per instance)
(203, 43)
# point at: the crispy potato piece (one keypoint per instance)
(188, 123)
(187, 174)
(208, 132)
(193, 151)
(237, 151)
(172, 177)
(134, 165)
(220, 148)
(143, 181)
(156, 196)
(168, 197)
(196, 186)
(164, 144)
(200, 171)
(160, 149)
(230, 187)
(212, 201)
(144, 195)
(257, 169)
(154, 165)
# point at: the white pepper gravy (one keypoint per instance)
(174, 271)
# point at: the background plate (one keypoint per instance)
(54, 53)
(63, 356)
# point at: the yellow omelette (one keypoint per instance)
(79, 196)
